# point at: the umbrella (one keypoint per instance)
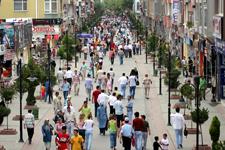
(85, 35)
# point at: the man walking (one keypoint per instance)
(145, 132)
(88, 86)
(66, 88)
(29, 124)
(178, 123)
(60, 76)
(126, 134)
(69, 75)
(118, 106)
(95, 95)
(122, 84)
(138, 125)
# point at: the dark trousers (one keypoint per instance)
(112, 60)
(102, 131)
(30, 132)
(70, 81)
(112, 110)
(130, 53)
(126, 143)
(96, 107)
(119, 118)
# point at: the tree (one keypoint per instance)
(203, 117)
(214, 131)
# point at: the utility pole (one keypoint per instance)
(21, 97)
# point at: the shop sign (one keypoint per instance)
(19, 20)
(176, 11)
(41, 30)
(217, 26)
(7, 33)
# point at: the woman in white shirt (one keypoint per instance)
(88, 126)
(132, 83)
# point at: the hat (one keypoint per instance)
(126, 119)
(75, 129)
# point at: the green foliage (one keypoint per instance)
(7, 93)
(152, 42)
(214, 131)
(118, 6)
(219, 146)
(189, 24)
(203, 115)
(4, 111)
(187, 91)
(174, 75)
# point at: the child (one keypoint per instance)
(165, 142)
(42, 91)
(156, 144)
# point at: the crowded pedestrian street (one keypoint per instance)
(105, 80)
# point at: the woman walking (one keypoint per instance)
(47, 134)
(147, 82)
(112, 132)
(88, 125)
(102, 118)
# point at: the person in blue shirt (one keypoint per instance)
(65, 88)
(126, 134)
(47, 132)
(48, 91)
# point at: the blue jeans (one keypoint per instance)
(138, 140)
(112, 137)
(179, 137)
(132, 91)
(88, 139)
(70, 127)
(88, 93)
(65, 94)
(123, 90)
(130, 115)
(121, 60)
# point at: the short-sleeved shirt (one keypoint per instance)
(147, 82)
(156, 146)
(146, 126)
(138, 124)
(95, 95)
(86, 111)
(76, 142)
(132, 81)
(89, 83)
(112, 126)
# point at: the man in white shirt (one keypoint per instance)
(60, 75)
(118, 106)
(112, 76)
(29, 124)
(69, 75)
(103, 98)
(70, 120)
(178, 123)
(112, 100)
(122, 84)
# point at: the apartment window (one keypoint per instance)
(20, 5)
(50, 6)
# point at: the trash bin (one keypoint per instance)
(35, 113)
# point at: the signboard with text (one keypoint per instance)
(41, 30)
(176, 11)
(218, 26)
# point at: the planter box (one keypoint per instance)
(175, 97)
(203, 147)
(8, 132)
(180, 105)
(38, 98)
(30, 107)
(192, 131)
(17, 117)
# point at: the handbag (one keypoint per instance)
(133, 141)
(185, 131)
(137, 82)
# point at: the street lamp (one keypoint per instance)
(67, 51)
(49, 74)
(21, 97)
(169, 74)
(146, 45)
(160, 81)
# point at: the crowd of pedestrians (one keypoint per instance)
(113, 38)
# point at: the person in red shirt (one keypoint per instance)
(63, 140)
(138, 125)
(95, 94)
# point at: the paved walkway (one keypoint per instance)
(155, 109)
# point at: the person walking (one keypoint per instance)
(102, 118)
(103, 98)
(118, 106)
(57, 102)
(66, 89)
(138, 125)
(70, 120)
(122, 84)
(63, 140)
(178, 122)
(69, 75)
(95, 95)
(132, 84)
(146, 83)
(84, 109)
(76, 82)
(164, 142)
(88, 125)
(111, 102)
(121, 56)
(112, 131)
(76, 140)
(126, 134)
(80, 125)
(145, 132)
(88, 86)
(130, 109)
(47, 132)
(29, 125)
(111, 56)
(202, 87)
(60, 75)
(83, 70)
(48, 91)
(112, 76)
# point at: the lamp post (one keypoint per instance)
(67, 51)
(21, 97)
(49, 74)
(169, 74)
(146, 45)
(160, 82)
(197, 82)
